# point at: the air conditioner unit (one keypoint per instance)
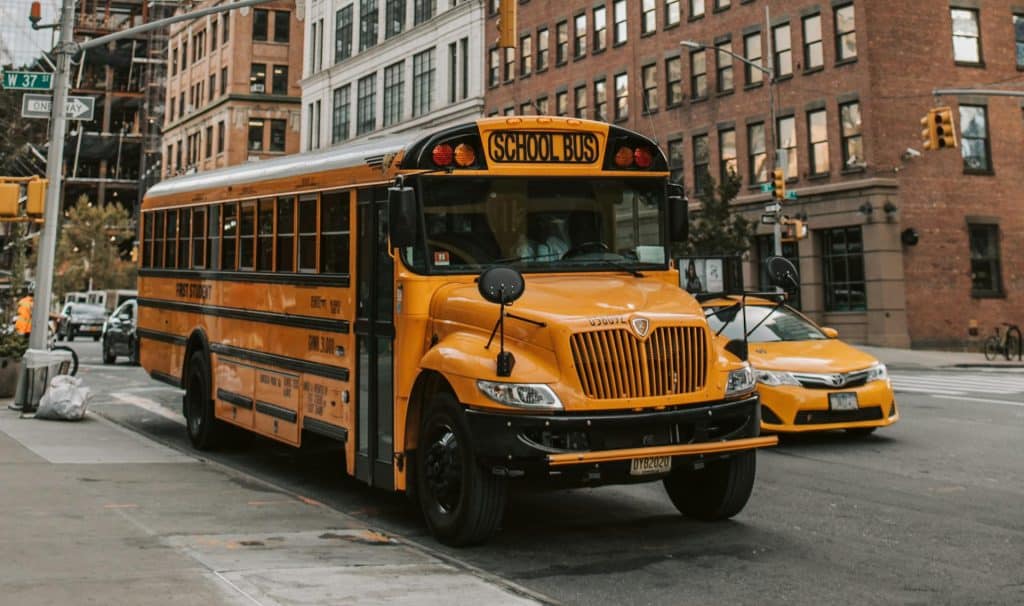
(257, 88)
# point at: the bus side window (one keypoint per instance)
(247, 242)
(158, 239)
(171, 239)
(213, 242)
(184, 233)
(199, 238)
(307, 233)
(286, 234)
(265, 235)
(334, 233)
(229, 241)
(147, 239)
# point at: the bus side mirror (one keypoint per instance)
(402, 216)
(678, 214)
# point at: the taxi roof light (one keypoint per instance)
(624, 157)
(443, 155)
(465, 155)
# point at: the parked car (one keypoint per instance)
(80, 319)
(808, 379)
(119, 334)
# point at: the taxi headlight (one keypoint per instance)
(740, 381)
(775, 377)
(877, 372)
(521, 395)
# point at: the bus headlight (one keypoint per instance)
(877, 372)
(521, 395)
(740, 381)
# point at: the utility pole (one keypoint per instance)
(774, 159)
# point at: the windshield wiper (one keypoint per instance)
(636, 273)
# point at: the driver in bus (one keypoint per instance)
(551, 245)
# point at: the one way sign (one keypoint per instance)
(76, 108)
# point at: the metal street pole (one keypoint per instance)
(54, 166)
(773, 155)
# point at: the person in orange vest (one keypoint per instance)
(23, 323)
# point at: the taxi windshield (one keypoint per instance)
(784, 324)
(539, 224)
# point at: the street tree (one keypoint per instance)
(89, 249)
(716, 230)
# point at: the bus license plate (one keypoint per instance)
(650, 465)
(842, 401)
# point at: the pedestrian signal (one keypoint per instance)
(793, 229)
(35, 198)
(9, 193)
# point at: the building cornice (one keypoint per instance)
(241, 98)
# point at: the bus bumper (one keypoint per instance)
(588, 449)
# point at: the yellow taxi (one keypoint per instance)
(808, 379)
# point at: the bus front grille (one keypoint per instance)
(614, 364)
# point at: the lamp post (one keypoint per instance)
(773, 156)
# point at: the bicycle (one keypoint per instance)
(1006, 344)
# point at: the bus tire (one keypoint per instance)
(718, 491)
(204, 430)
(462, 503)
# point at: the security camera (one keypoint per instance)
(911, 153)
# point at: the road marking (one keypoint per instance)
(147, 404)
(987, 400)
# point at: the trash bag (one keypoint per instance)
(65, 400)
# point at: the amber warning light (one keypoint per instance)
(35, 13)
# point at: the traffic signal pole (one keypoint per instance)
(55, 155)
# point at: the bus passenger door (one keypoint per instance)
(375, 336)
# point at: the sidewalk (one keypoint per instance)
(920, 359)
(95, 513)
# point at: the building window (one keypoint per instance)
(974, 138)
(367, 24)
(542, 106)
(525, 56)
(223, 80)
(334, 233)
(562, 103)
(282, 26)
(600, 100)
(524, 108)
(696, 9)
(318, 53)
(494, 67)
(724, 66)
(279, 82)
(986, 273)
(843, 258)
(366, 104)
(846, 33)
(579, 36)
(674, 81)
(464, 72)
(340, 114)
(721, 5)
(813, 47)
(314, 125)
(422, 82)
(757, 156)
(752, 52)
(394, 83)
(621, 97)
(648, 17)
(394, 17)
(787, 143)
(650, 83)
(671, 13)
(600, 28)
(675, 160)
(260, 21)
(184, 54)
(174, 61)
(256, 135)
(542, 49)
(220, 137)
(423, 10)
(278, 135)
(212, 87)
(701, 160)
(817, 139)
(1018, 34)
(562, 43)
(208, 148)
(510, 64)
(580, 100)
(285, 256)
(966, 36)
(343, 34)
(213, 33)
(453, 68)
(853, 143)
(619, 14)
(698, 74)
(727, 154)
(783, 50)
(227, 27)
(258, 78)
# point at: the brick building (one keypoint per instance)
(232, 87)
(905, 246)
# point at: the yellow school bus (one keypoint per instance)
(487, 304)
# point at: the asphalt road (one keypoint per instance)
(929, 511)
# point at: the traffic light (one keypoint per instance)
(938, 131)
(929, 138)
(507, 23)
(9, 193)
(35, 200)
(779, 183)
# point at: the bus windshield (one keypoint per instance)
(540, 224)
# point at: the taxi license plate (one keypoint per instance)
(650, 465)
(843, 401)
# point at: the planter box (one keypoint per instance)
(10, 368)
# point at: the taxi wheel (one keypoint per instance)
(861, 432)
(108, 353)
(96, 338)
(718, 491)
(204, 430)
(462, 502)
(133, 353)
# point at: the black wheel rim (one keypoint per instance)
(443, 469)
(195, 404)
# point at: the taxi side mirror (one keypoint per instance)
(402, 216)
(678, 214)
(831, 333)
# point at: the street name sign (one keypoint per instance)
(76, 108)
(791, 195)
(768, 219)
(27, 81)
(773, 208)
(767, 188)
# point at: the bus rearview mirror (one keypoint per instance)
(402, 216)
(679, 219)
